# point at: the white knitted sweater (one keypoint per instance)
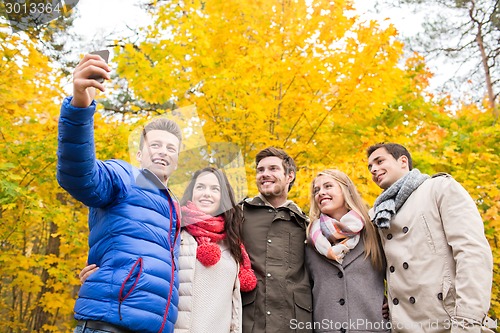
(209, 297)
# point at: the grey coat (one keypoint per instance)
(347, 297)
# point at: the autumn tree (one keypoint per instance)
(310, 78)
(37, 281)
(467, 33)
(49, 27)
(43, 231)
(27, 162)
(466, 145)
(284, 73)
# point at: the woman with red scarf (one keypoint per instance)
(214, 265)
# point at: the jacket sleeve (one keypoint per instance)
(464, 231)
(87, 179)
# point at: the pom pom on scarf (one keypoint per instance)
(247, 278)
(208, 253)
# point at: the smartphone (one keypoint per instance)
(105, 55)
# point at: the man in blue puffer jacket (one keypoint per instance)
(132, 217)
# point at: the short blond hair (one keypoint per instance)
(161, 124)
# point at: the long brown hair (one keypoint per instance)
(230, 211)
(353, 201)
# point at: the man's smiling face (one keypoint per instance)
(271, 178)
(160, 153)
(385, 169)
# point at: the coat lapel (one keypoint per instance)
(359, 250)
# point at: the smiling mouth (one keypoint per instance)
(324, 199)
(161, 162)
(206, 202)
(379, 177)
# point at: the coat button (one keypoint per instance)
(405, 230)
(389, 236)
(340, 275)
(395, 301)
(268, 274)
(268, 313)
(269, 241)
(440, 296)
(270, 210)
(412, 300)
(392, 269)
(341, 301)
(405, 265)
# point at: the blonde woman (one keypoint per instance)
(344, 259)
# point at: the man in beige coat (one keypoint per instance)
(439, 263)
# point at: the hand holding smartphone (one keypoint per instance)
(105, 55)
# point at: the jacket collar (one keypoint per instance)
(267, 203)
(148, 180)
(258, 201)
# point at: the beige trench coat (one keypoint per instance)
(439, 263)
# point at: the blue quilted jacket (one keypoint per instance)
(133, 232)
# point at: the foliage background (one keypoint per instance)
(312, 79)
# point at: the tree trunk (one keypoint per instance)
(40, 316)
(484, 61)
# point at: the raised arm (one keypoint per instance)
(78, 172)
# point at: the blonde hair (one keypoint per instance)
(353, 201)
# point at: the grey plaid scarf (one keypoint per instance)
(389, 202)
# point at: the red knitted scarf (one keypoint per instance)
(208, 230)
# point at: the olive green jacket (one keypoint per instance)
(275, 241)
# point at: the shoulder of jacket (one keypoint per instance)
(441, 174)
(255, 201)
(119, 166)
(246, 200)
(296, 209)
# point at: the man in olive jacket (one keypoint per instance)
(274, 236)
(439, 263)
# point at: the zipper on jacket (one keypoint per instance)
(172, 208)
(121, 297)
